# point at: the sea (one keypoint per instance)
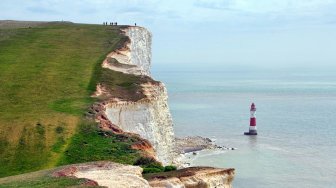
(296, 121)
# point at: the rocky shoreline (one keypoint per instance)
(196, 143)
(188, 148)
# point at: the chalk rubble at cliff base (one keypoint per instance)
(196, 143)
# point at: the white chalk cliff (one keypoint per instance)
(206, 177)
(112, 175)
(149, 117)
(105, 173)
(135, 57)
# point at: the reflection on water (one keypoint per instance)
(253, 139)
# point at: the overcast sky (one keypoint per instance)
(249, 33)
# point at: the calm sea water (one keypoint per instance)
(296, 119)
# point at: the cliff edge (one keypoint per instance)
(201, 177)
(114, 175)
(147, 115)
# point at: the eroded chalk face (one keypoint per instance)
(135, 56)
(149, 117)
(141, 42)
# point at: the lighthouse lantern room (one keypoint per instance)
(253, 121)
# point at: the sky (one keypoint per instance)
(269, 34)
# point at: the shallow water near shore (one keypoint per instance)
(295, 118)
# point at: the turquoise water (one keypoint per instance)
(296, 115)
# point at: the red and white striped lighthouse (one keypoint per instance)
(253, 121)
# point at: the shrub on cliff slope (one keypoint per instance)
(150, 165)
(89, 144)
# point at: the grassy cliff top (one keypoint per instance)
(42, 179)
(47, 73)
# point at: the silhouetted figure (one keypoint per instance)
(135, 24)
(116, 23)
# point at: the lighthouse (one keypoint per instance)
(253, 121)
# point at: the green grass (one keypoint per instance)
(92, 144)
(122, 85)
(41, 179)
(46, 181)
(172, 172)
(47, 74)
(70, 105)
(49, 68)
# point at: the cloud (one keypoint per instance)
(41, 10)
(232, 13)
(225, 28)
(221, 5)
(263, 6)
(266, 13)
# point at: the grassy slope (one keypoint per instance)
(47, 74)
(45, 181)
(40, 179)
(88, 144)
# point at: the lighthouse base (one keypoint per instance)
(251, 132)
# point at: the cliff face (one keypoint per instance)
(107, 174)
(149, 117)
(200, 177)
(135, 57)
(141, 52)
(114, 175)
